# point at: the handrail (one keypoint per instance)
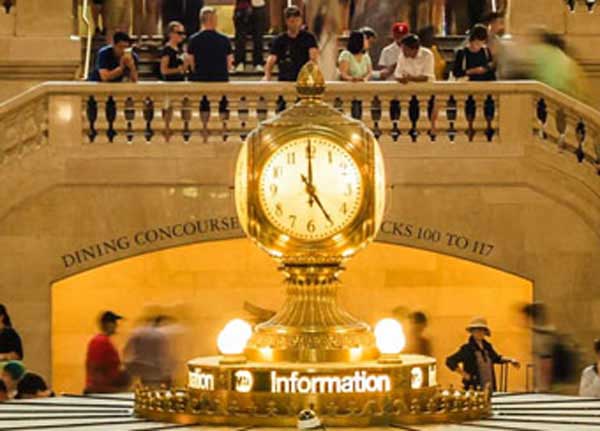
(121, 108)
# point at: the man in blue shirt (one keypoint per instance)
(210, 51)
(115, 62)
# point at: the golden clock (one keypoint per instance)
(309, 183)
(310, 191)
(310, 188)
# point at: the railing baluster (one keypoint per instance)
(205, 117)
(167, 116)
(451, 115)
(148, 118)
(395, 113)
(92, 115)
(376, 115)
(489, 112)
(542, 116)
(111, 115)
(580, 132)
(561, 127)
(414, 112)
(243, 115)
(186, 116)
(262, 109)
(356, 109)
(129, 118)
(281, 104)
(224, 115)
(338, 104)
(432, 114)
(470, 114)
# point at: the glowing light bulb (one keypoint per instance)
(389, 336)
(233, 338)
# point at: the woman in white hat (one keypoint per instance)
(477, 357)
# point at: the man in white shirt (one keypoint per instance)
(389, 55)
(415, 63)
(590, 381)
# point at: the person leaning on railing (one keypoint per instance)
(475, 61)
(415, 63)
(354, 62)
(116, 61)
(172, 60)
(293, 49)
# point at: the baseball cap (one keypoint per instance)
(15, 369)
(400, 29)
(109, 316)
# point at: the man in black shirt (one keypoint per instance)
(210, 51)
(293, 49)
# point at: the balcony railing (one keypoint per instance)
(441, 119)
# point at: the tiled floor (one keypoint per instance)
(514, 412)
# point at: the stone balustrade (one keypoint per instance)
(450, 119)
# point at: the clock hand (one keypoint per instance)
(318, 201)
(310, 189)
(310, 172)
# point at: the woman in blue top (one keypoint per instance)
(354, 63)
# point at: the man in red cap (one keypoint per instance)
(389, 54)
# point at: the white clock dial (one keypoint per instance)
(311, 188)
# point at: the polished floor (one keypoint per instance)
(514, 412)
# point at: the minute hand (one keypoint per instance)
(318, 201)
(310, 189)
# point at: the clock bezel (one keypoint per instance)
(359, 143)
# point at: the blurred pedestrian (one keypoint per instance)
(10, 341)
(99, 12)
(589, 385)
(146, 17)
(293, 49)
(148, 355)
(104, 373)
(249, 17)
(118, 17)
(477, 358)
(116, 61)
(390, 54)
(553, 66)
(186, 12)
(12, 373)
(172, 58)
(416, 342)
(354, 63)
(3, 391)
(32, 386)
(496, 27)
(415, 63)
(209, 50)
(427, 36)
(545, 340)
(370, 39)
(475, 61)
(326, 29)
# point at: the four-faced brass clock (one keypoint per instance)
(310, 191)
(309, 184)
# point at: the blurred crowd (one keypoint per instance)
(198, 51)
(149, 354)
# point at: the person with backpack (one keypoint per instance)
(475, 62)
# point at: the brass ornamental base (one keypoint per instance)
(260, 394)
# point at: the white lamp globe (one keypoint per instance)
(389, 336)
(233, 338)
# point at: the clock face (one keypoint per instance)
(310, 188)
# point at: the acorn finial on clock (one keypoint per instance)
(311, 82)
